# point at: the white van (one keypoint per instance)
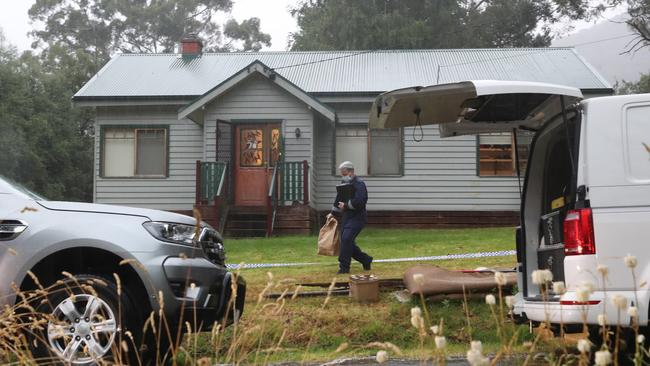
(586, 194)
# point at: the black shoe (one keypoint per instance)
(368, 266)
(343, 272)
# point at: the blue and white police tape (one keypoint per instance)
(500, 253)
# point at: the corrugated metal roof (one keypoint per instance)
(164, 75)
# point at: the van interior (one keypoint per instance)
(550, 191)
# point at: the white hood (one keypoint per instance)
(471, 107)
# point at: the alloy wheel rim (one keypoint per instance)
(82, 329)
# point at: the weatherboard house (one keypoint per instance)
(252, 140)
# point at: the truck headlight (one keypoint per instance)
(171, 232)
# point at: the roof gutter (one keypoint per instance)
(103, 101)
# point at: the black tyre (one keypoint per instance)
(626, 343)
(85, 321)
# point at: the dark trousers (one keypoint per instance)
(349, 248)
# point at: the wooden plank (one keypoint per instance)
(336, 292)
(383, 282)
(340, 288)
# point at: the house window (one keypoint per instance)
(134, 152)
(352, 145)
(374, 152)
(496, 154)
(385, 152)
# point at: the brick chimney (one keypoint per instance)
(191, 46)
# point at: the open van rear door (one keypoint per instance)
(471, 107)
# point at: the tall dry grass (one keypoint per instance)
(260, 335)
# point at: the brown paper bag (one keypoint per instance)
(329, 239)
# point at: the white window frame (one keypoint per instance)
(368, 138)
(135, 129)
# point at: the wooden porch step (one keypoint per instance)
(251, 217)
(251, 221)
(246, 222)
(246, 210)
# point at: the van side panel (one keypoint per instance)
(617, 130)
(615, 166)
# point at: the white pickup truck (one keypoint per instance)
(586, 195)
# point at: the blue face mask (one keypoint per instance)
(346, 179)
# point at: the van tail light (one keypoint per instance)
(579, 232)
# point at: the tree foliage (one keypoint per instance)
(400, 24)
(641, 86)
(44, 142)
(639, 22)
(103, 27)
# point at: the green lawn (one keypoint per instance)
(380, 243)
(344, 320)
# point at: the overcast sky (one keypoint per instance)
(274, 15)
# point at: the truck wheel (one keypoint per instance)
(86, 322)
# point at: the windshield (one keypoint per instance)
(7, 186)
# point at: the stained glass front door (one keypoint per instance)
(257, 149)
(252, 147)
(276, 146)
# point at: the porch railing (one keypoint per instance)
(272, 201)
(294, 181)
(211, 187)
(211, 178)
(289, 183)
